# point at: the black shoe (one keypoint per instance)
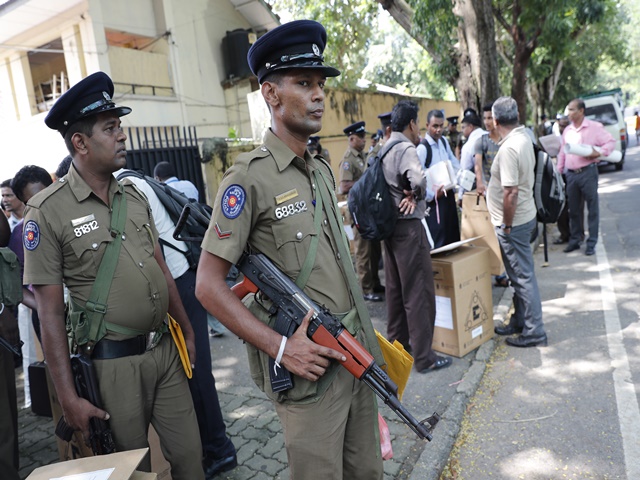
(441, 362)
(372, 297)
(378, 289)
(522, 341)
(571, 247)
(590, 251)
(560, 241)
(213, 467)
(507, 329)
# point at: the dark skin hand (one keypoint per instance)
(302, 356)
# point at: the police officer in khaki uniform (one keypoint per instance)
(66, 232)
(351, 169)
(455, 137)
(267, 202)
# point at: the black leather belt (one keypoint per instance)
(105, 349)
(578, 170)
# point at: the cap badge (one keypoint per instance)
(106, 96)
(315, 49)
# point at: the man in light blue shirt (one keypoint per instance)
(443, 211)
(166, 173)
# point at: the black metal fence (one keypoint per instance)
(148, 146)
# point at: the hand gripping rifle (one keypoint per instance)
(291, 304)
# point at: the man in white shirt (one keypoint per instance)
(471, 128)
(443, 211)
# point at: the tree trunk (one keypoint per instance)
(479, 31)
(476, 82)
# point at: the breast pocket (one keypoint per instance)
(140, 228)
(89, 248)
(293, 238)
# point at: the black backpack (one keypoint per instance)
(373, 209)
(174, 201)
(548, 188)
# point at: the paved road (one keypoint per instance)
(569, 411)
(256, 432)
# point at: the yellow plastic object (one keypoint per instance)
(176, 333)
(398, 360)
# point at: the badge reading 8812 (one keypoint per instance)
(31, 235)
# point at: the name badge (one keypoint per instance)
(283, 197)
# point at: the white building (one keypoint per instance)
(166, 59)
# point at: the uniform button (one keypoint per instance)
(313, 185)
(325, 222)
(94, 246)
(62, 180)
(338, 256)
(124, 237)
(264, 149)
(141, 264)
(299, 235)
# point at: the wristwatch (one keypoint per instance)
(505, 227)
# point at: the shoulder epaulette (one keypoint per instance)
(39, 198)
(247, 157)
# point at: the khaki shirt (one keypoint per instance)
(352, 166)
(66, 232)
(513, 166)
(266, 201)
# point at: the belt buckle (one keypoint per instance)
(578, 170)
(153, 339)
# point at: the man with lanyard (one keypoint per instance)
(88, 230)
(582, 173)
(279, 200)
(351, 169)
(443, 211)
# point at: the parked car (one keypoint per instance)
(606, 110)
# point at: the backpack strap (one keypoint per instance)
(427, 162)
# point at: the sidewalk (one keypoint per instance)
(255, 429)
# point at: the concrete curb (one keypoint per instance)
(436, 454)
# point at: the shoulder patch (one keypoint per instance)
(31, 235)
(346, 166)
(233, 200)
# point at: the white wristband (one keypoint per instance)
(280, 352)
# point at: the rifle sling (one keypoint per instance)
(96, 306)
(347, 265)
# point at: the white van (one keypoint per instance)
(606, 110)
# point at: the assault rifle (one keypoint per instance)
(84, 377)
(291, 304)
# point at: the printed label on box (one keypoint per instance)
(476, 332)
(444, 313)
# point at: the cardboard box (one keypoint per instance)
(123, 464)
(464, 304)
(476, 222)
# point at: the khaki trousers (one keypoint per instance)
(367, 255)
(152, 389)
(334, 438)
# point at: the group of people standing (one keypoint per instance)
(87, 216)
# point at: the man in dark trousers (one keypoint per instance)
(410, 290)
